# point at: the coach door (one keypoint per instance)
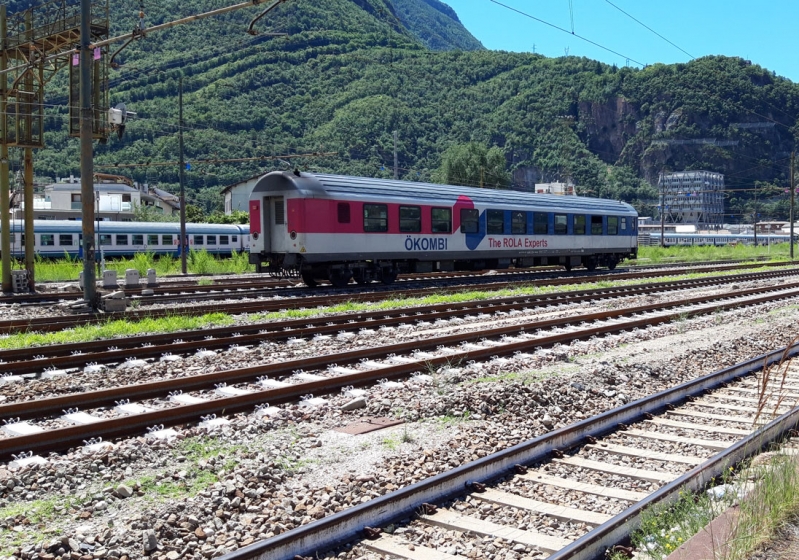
(275, 213)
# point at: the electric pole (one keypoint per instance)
(184, 245)
(662, 210)
(5, 221)
(396, 167)
(86, 156)
(793, 192)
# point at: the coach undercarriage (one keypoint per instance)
(340, 274)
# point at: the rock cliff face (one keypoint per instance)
(609, 126)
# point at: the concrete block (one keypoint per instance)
(132, 278)
(110, 279)
(151, 279)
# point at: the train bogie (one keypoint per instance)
(339, 229)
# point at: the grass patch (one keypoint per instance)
(524, 377)
(197, 262)
(778, 251)
(771, 491)
(115, 329)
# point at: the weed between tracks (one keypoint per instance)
(778, 251)
(198, 262)
(115, 329)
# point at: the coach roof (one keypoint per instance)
(337, 186)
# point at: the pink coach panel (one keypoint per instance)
(255, 216)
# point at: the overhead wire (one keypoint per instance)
(649, 28)
(587, 40)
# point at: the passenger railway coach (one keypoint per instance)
(55, 238)
(338, 228)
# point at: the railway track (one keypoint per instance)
(73, 355)
(261, 384)
(56, 323)
(178, 290)
(634, 456)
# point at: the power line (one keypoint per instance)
(649, 28)
(565, 31)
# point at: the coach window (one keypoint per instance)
(235, 239)
(624, 224)
(343, 213)
(596, 225)
(441, 220)
(152, 239)
(613, 225)
(410, 219)
(470, 220)
(65, 240)
(47, 240)
(198, 239)
(495, 222)
(138, 239)
(579, 224)
(375, 217)
(105, 239)
(166, 239)
(518, 223)
(224, 240)
(122, 239)
(210, 239)
(561, 224)
(540, 223)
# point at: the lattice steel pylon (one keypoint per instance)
(36, 44)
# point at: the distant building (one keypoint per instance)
(555, 188)
(237, 195)
(693, 197)
(115, 200)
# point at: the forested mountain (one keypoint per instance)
(349, 72)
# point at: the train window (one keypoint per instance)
(410, 219)
(138, 239)
(152, 239)
(540, 223)
(47, 240)
(166, 239)
(224, 240)
(65, 240)
(210, 239)
(518, 223)
(122, 239)
(280, 212)
(235, 239)
(613, 225)
(198, 239)
(375, 217)
(579, 224)
(105, 239)
(561, 224)
(470, 220)
(624, 224)
(441, 220)
(343, 213)
(13, 237)
(495, 222)
(596, 225)
(22, 239)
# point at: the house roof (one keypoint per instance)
(98, 187)
(247, 180)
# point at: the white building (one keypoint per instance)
(237, 195)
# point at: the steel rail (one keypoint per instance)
(51, 324)
(62, 438)
(326, 533)
(59, 356)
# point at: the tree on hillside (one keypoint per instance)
(473, 165)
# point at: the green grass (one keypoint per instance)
(779, 251)
(115, 329)
(524, 377)
(197, 262)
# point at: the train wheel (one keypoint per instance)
(568, 267)
(388, 276)
(612, 262)
(340, 277)
(309, 280)
(590, 264)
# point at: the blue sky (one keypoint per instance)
(763, 32)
